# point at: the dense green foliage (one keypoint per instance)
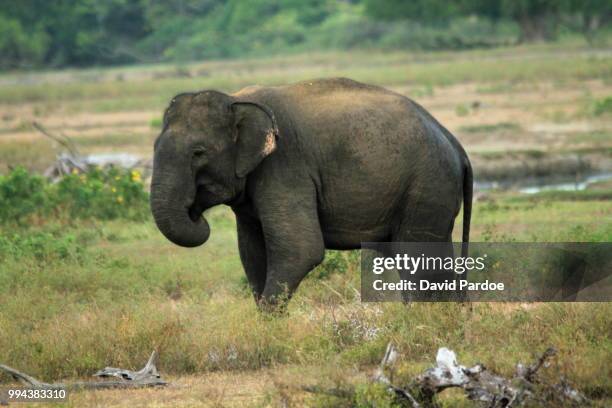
(35, 33)
(103, 194)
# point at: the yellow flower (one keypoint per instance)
(119, 199)
(136, 175)
(114, 190)
(75, 171)
(117, 178)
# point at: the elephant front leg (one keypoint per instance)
(252, 253)
(294, 246)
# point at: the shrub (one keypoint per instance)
(21, 195)
(102, 194)
(336, 262)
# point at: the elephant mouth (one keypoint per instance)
(195, 210)
(195, 213)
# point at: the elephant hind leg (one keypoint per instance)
(427, 223)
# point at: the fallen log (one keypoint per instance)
(148, 376)
(480, 385)
(71, 160)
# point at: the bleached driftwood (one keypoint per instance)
(491, 390)
(480, 385)
(148, 376)
(387, 363)
(71, 159)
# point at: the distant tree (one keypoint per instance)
(537, 19)
(242, 16)
(20, 47)
(589, 16)
(79, 32)
(309, 12)
(159, 9)
(427, 11)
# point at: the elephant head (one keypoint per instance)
(209, 143)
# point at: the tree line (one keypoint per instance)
(536, 19)
(43, 33)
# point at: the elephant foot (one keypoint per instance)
(273, 306)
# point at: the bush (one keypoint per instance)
(21, 46)
(101, 194)
(336, 262)
(21, 195)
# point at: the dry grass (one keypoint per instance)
(132, 292)
(464, 92)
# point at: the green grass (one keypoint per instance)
(121, 290)
(553, 195)
(544, 217)
(595, 137)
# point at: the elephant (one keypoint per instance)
(305, 167)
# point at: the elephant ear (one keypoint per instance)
(257, 133)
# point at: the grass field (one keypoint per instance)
(93, 293)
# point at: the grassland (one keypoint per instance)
(117, 289)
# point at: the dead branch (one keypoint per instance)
(70, 160)
(147, 373)
(528, 373)
(480, 385)
(63, 140)
(146, 377)
(387, 362)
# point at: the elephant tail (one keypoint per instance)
(468, 182)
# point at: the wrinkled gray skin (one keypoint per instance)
(348, 163)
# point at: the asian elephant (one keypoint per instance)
(326, 163)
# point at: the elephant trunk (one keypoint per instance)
(176, 214)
